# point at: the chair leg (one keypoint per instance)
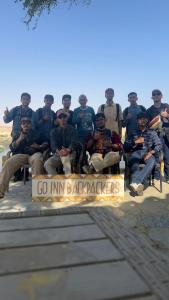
(24, 175)
(161, 184)
(150, 180)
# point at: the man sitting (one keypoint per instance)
(63, 140)
(27, 147)
(145, 147)
(103, 147)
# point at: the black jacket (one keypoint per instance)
(25, 145)
(63, 137)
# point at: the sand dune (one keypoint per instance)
(5, 137)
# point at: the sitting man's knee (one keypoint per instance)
(47, 164)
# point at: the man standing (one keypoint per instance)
(43, 118)
(18, 112)
(83, 119)
(158, 115)
(130, 114)
(144, 146)
(27, 147)
(15, 115)
(66, 101)
(112, 112)
(103, 146)
(63, 141)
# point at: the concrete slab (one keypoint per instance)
(144, 298)
(102, 281)
(51, 256)
(160, 236)
(44, 222)
(142, 213)
(46, 236)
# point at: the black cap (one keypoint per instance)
(142, 115)
(26, 119)
(156, 92)
(62, 115)
(99, 115)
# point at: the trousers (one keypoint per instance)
(99, 162)
(16, 162)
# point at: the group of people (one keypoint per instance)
(60, 133)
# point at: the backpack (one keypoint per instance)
(117, 109)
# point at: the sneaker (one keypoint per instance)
(133, 186)
(137, 188)
(140, 188)
(88, 169)
(17, 178)
(2, 195)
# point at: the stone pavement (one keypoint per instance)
(78, 253)
(148, 214)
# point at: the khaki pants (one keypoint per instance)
(16, 162)
(99, 163)
(57, 161)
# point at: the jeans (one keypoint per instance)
(137, 157)
(165, 143)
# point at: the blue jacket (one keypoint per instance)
(15, 115)
(84, 125)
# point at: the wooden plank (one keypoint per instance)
(41, 257)
(102, 281)
(42, 222)
(47, 236)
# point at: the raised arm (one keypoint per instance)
(9, 115)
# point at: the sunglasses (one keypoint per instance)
(156, 94)
(62, 118)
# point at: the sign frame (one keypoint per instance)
(77, 187)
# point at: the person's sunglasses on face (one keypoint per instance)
(156, 94)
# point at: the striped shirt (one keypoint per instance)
(151, 141)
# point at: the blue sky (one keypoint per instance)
(122, 44)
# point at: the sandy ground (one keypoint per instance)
(5, 137)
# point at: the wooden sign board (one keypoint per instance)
(76, 187)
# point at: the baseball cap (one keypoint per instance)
(61, 114)
(156, 92)
(25, 119)
(142, 115)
